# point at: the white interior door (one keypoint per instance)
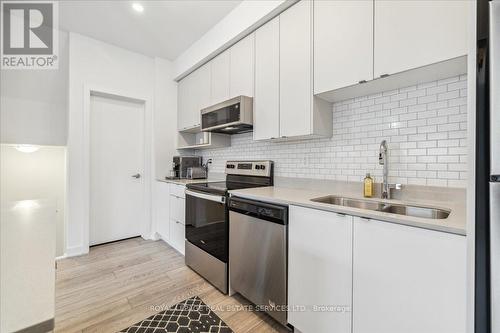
(116, 169)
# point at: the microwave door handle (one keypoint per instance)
(216, 198)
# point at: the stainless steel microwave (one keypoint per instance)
(230, 117)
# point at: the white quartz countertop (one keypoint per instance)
(455, 223)
(215, 177)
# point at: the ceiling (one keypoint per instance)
(164, 29)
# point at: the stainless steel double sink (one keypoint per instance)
(407, 210)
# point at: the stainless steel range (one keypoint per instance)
(207, 218)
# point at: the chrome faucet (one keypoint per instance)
(382, 160)
(205, 166)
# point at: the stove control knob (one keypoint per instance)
(257, 167)
(262, 167)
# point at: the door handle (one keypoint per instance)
(136, 176)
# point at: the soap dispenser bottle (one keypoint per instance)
(368, 186)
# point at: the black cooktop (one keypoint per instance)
(221, 187)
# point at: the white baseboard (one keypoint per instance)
(154, 236)
(62, 257)
(76, 251)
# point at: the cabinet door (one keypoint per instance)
(178, 235)
(407, 279)
(162, 211)
(414, 33)
(266, 107)
(295, 70)
(241, 72)
(343, 43)
(183, 103)
(181, 210)
(193, 94)
(177, 209)
(320, 270)
(220, 78)
(201, 92)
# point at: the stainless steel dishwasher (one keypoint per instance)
(258, 254)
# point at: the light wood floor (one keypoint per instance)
(119, 284)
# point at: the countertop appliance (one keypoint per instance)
(230, 117)
(258, 254)
(207, 218)
(180, 165)
(196, 173)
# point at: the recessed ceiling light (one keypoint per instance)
(27, 204)
(138, 7)
(27, 148)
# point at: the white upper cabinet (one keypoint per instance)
(343, 43)
(301, 114)
(220, 78)
(193, 94)
(407, 279)
(241, 67)
(202, 90)
(284, 105)
(414, 33)
(266, 108)
(184, 103)
(320, 270)
(295, 70)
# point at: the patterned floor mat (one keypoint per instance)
(190, 315)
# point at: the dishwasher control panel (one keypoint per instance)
(266, 211)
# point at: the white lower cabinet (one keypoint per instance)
(177, 218)
(169, 214)
(178, 235)
(177, 208)
(407, 279)
(349, 274)
(162, 210)
(319, 271)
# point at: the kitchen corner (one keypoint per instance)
(237, 166)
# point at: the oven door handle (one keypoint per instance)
(217, 198)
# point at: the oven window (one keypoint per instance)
(206, 226)
(221, 116)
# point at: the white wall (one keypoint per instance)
(165, 117)
(33, 176)
(105, 66)
(33, 103)
(238, 23)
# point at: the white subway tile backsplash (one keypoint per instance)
(425, 127)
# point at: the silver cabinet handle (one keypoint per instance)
(136, 176)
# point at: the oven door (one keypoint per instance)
(207, 223)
